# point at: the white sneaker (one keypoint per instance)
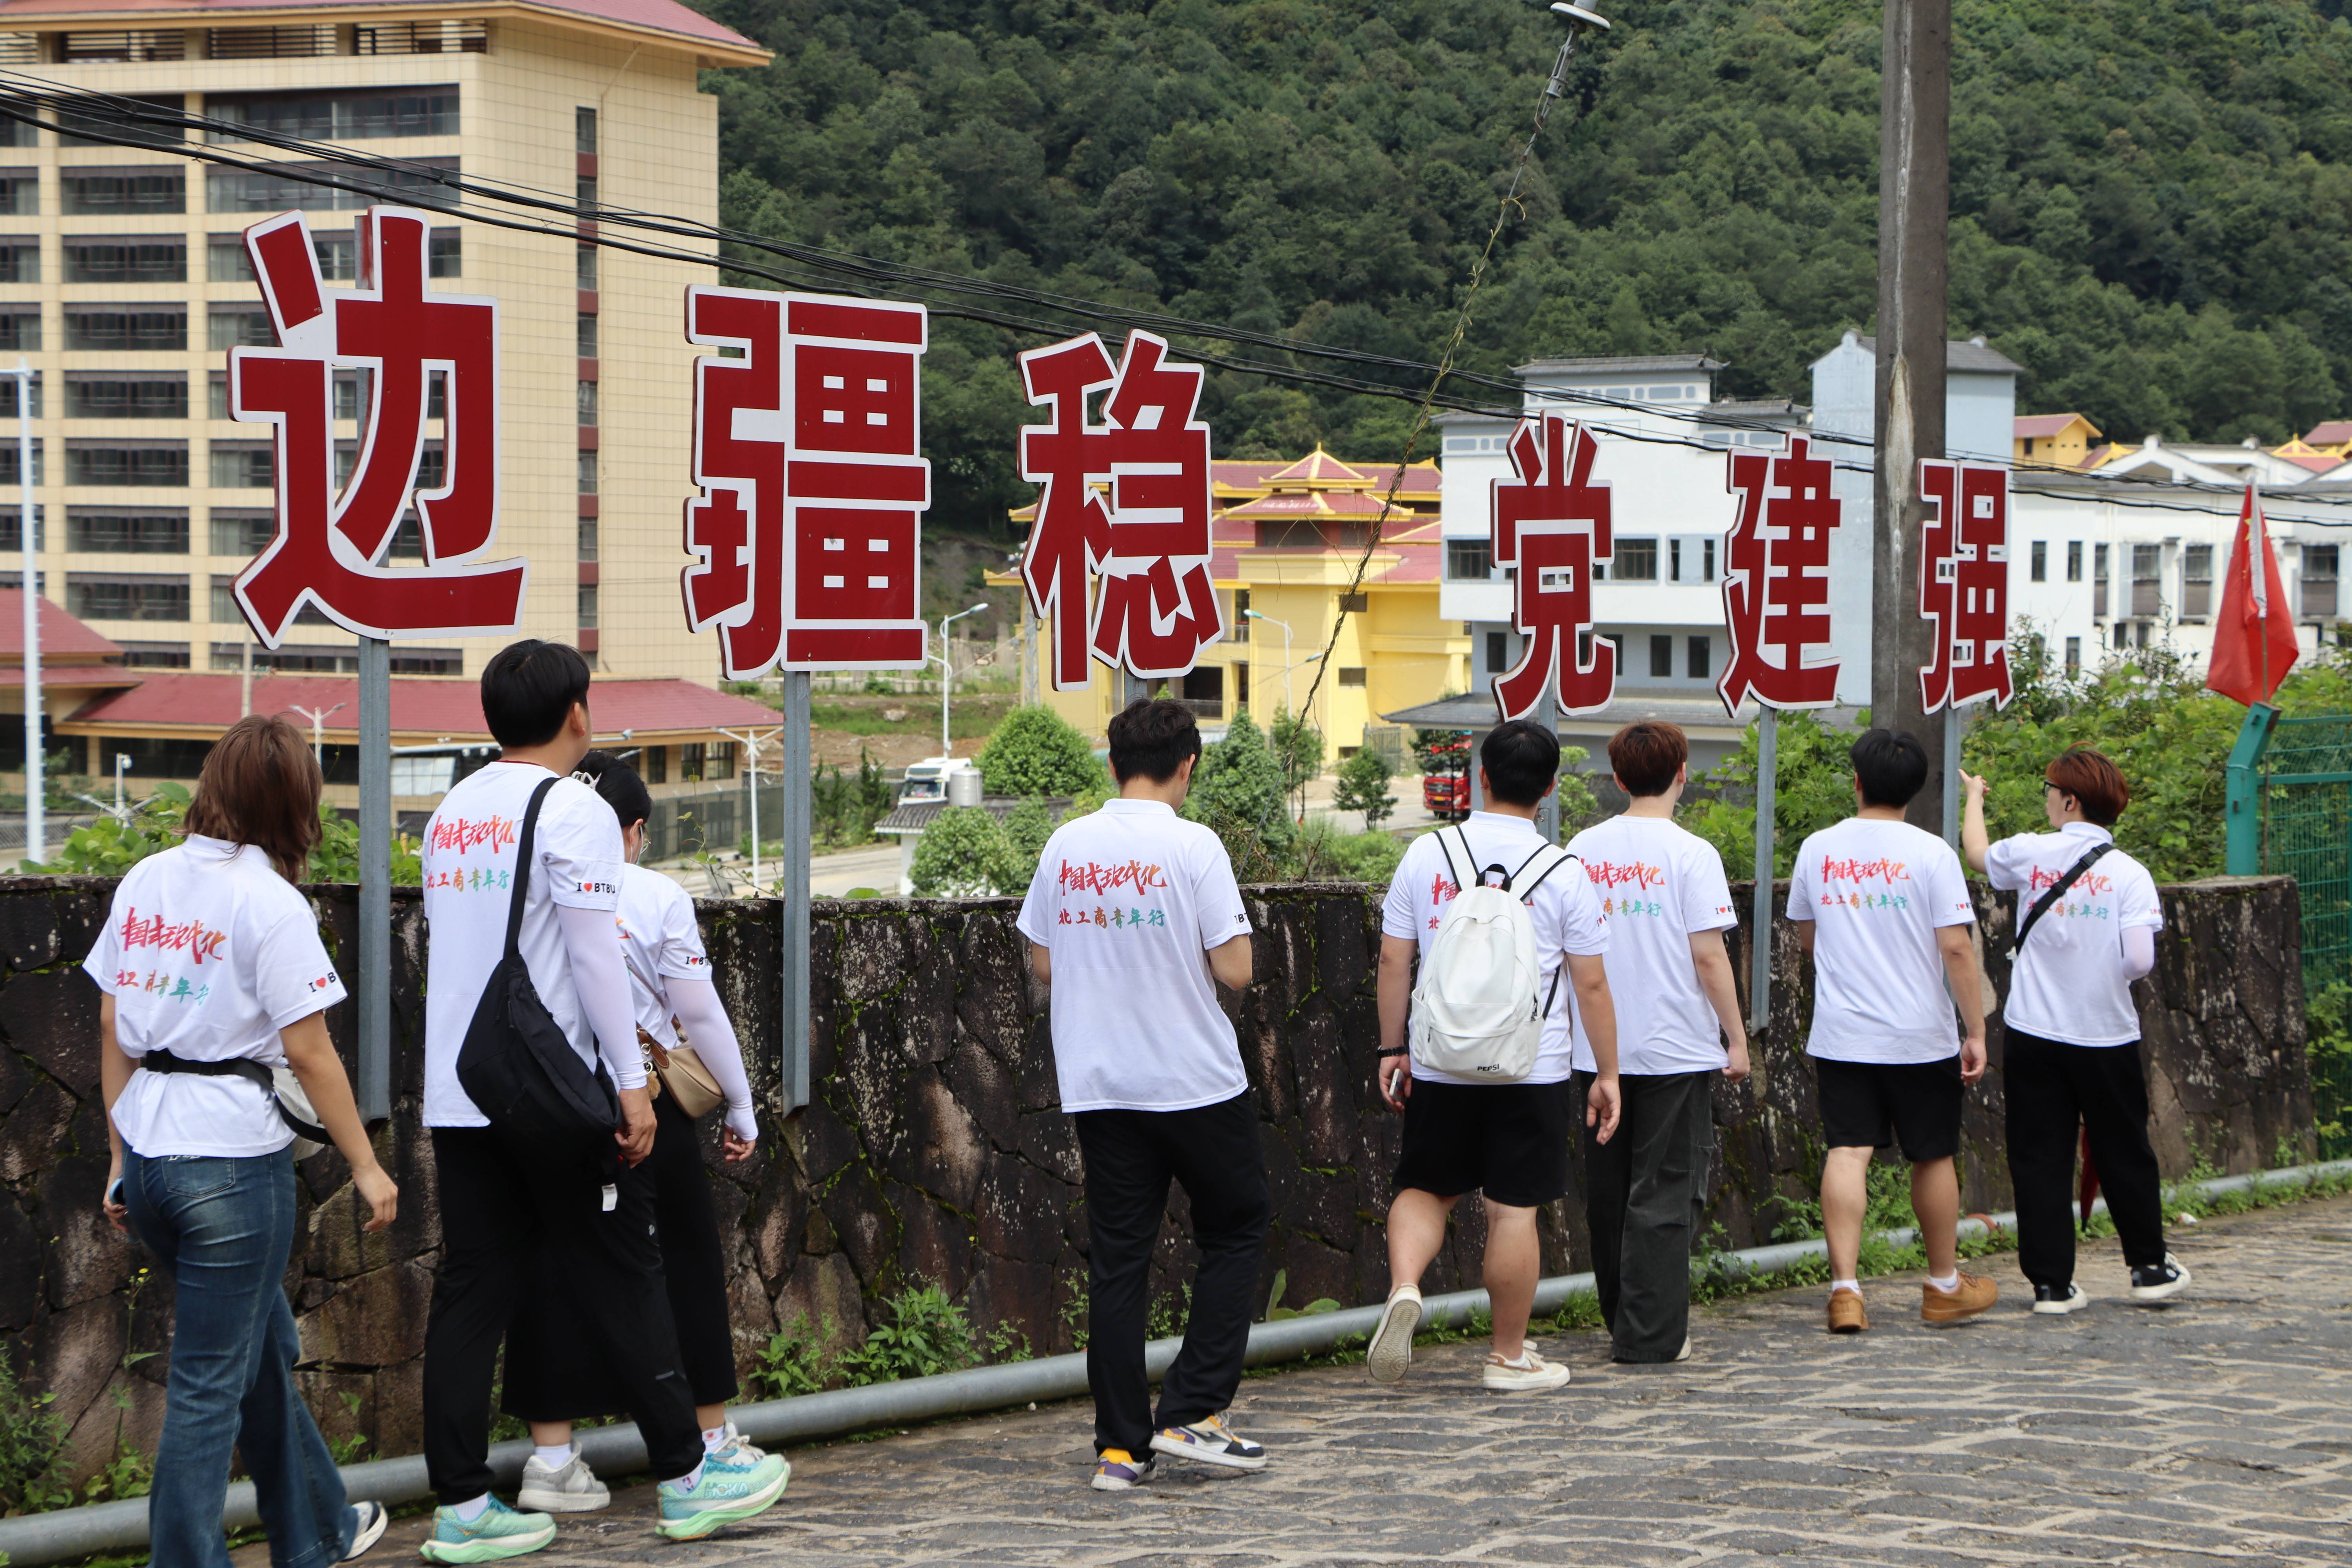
(1530, 1374)
(2050, 1302)
(572, 1487)
(2157, 1281)
(1390, 1355)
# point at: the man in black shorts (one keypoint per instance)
(1883, 910)
(1507, 1141)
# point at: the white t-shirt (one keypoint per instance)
(1877, 892)
(1658, 884)
(207, 952)
(660, 942)
(1129, 900)
(2068, 980)
(1567, 913)
(470, 847)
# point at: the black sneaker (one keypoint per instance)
(2052, 1300)
(2155, 1281)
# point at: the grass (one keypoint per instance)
(971, 716)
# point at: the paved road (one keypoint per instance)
(2217, 1429)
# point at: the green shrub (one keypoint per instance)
(927, 1334)
(1025, 832)
(31, 1437)
(111, 845)
(1238, 794)
(963, 853)
(797, 1360)
(1035, 751)
(844, 810)
(1363, 785)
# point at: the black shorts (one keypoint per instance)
(1508, 1141)
(1869, 1105)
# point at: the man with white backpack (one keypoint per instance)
(1508, 937)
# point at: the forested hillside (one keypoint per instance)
(2151, 206)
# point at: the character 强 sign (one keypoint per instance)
(327, 550)
(1553, 524)
(1776, 581)
(1964, 584)
(807, 535)
(1154, 607)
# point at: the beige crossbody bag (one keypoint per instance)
(681, 1075)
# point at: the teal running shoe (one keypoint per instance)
(732, 1489)
(500, 1533)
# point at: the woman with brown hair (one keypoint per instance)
(214, 978)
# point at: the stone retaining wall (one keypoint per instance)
(936, 1152)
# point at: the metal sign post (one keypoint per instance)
(374, 1084)
(37, 846)
(1760, 941)
(1952, 775)
(798, 771)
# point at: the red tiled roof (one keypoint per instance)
(2330, 433)
(72, 677)
(2035, 426)
(434, 709)
(658, 15)
(62, 637)
(1318, 468)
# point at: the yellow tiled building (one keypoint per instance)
(1287, 539)
(124, 282)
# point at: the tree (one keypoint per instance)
(1237, 791)
(1025, 832)
(1036, 751)
(1298, 750)
(1364, 786)
(963, 853)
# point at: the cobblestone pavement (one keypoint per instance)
(2216, 1428)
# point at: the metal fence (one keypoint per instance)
(2300, 770)
(715, 822)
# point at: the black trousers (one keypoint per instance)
(554, 1371)
(2051, 1088)
(501, 1199)
(1642, 1192)
(1130, 1157)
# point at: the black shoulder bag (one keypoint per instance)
(2057, 890)
(516, 1064)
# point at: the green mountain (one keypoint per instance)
(2151, 206)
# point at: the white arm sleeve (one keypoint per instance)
(2139, 951)
(601, 978)
(695, 1004)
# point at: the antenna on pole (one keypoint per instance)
(1579, 17)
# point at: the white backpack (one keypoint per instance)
(1475, 1012)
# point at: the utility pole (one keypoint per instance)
(1913, 223)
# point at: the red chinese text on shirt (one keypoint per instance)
(461, 833)
(1093, 879)
(1880, 870)
(2091, 882)
(1635, 873)
(200, 940)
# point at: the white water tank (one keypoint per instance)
(964, 786)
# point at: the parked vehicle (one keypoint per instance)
(1445, 780)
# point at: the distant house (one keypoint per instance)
(77, 665)
(2334, 436)
(2053, 441)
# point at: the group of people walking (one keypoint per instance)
(1529, 998)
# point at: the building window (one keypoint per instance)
(588, 403)
(1700, 651)
(1498, 652)
(1241, 685)
(237, 326)
(2074, 656)
(1351, 675)
(1469, 559)
(1355, 603)
(116, 191)
(127, 463)
(12, 530)
(270, 43)
(20, 192)
(583, 130)
(421, 38)
(226, 260)
(120, 330)
(1636, 561)
(2099, 580)
(8, 474)
(1661, 655)
(2147, 581)
(127, 533)
(690, 762)
(407, 542)
(587, 539)
(154, 655)
(19, 50)
(123, 49)
(2041, 571)
(340, 116)
(241, 532)
(657, 761)
(584, 195)
(276, 189)
(587, 268)
(8, 409)
(587, 335)
(719, 762)
(587, 473)
(446, 253)
(2319, 582)
(2073, 560)
(244, 466)
(2195, 581)
(20, 259)
(1241, 624)
(91, 398)
(21, 330)
(587, 621)
(98, 597)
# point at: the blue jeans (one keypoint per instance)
(223, 1230)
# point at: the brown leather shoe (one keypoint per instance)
(1975, 1295)
(1847, 1315)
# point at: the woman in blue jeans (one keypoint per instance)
(215, 976)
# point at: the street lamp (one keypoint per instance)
(121, 761)
(319, 717)
(1269, 620)
(947, 673)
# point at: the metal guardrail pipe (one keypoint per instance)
(40, 1539)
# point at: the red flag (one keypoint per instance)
(2253, 637)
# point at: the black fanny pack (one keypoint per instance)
(284, 1089)
(517, 1065)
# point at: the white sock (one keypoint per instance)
(691, 1479)
(470, 1511)
(1947, 1283)
(554, 1459)
(1838, 1285)
(715, 1438)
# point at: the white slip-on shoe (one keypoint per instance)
(1390, 1355)
(1530, 1374)
(2051, 1302)
(570, 1488)
(2157, 1281)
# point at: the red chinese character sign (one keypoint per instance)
(1551, 523)
(1964, 584)
(1126, 499)
(1776, 581)
(807, 535)
(328, 549)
